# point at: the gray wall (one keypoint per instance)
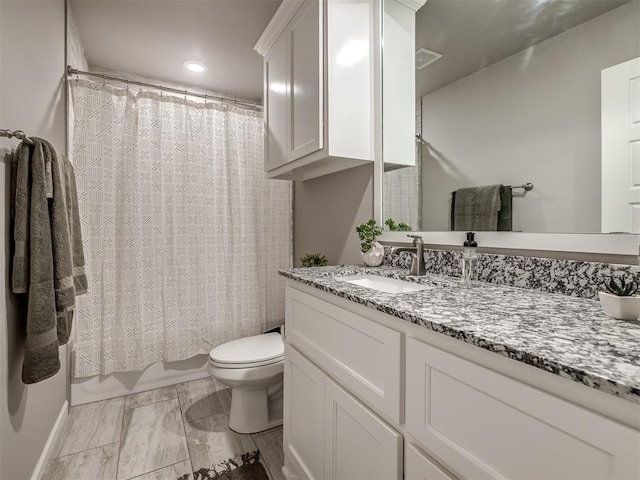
(533, 117)
(326, 212)
(32, 44)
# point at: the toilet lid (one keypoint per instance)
(258, 349)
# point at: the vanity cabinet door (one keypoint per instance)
(306, 114)
(304, 393)
(358, 444)
(418, 467)
(276, 94)
(484, 425)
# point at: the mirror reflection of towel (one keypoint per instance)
(487, 208)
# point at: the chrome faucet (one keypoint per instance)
(417, 255)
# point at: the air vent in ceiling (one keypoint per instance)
(426, 57)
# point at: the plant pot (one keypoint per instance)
(620, 308)
(374, 256)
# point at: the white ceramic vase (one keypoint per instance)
(620, 308)
(374, 256)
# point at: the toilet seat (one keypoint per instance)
(249, 352)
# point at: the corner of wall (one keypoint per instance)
(326, 212)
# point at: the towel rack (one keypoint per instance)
(527, 186)
(16, 133)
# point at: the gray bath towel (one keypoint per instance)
(505, 216)
(71, 195)
(44, 258)
(476, 208)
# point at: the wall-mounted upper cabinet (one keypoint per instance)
(399, 83)
(322, 77)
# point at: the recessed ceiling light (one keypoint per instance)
(194, 66)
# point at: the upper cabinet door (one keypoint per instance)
(276, 93)
(306, 45)
(333, 108)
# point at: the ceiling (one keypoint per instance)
(473, 34)
(153, 37)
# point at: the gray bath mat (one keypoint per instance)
(247, 467)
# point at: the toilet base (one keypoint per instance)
(252, 411)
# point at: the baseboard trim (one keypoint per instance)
(44, 456)
(158, 375)
(288, 475)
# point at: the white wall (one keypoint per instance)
(533, 117)
(326, 212)
(31, 99)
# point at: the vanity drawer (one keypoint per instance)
(482, 424)
(359, 353)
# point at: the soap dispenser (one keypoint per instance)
(470, 259)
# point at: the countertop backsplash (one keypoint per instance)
(567, 277)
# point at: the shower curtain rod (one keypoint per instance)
(74, 71)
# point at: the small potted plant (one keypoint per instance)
(620, 300)
(314, 260)
(397, 227)
(372, 252)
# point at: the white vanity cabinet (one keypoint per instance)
(368, 395)
(349, 365)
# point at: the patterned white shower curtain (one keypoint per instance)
(183, 234)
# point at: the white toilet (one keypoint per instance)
(253, 368)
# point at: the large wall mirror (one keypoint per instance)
(515, 92)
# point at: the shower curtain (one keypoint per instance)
(183, 234)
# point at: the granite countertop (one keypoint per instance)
(567, 336)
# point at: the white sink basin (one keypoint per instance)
(383, 284)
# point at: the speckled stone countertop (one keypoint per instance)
(568, 336)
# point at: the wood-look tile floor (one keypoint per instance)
(167, 433)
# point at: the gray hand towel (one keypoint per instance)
(476, 208)
(43, 265)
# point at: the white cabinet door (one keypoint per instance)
(306, 114)
(276, 81)
(358, 445)
(484, 425)
(304, 396)
(418, 467)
